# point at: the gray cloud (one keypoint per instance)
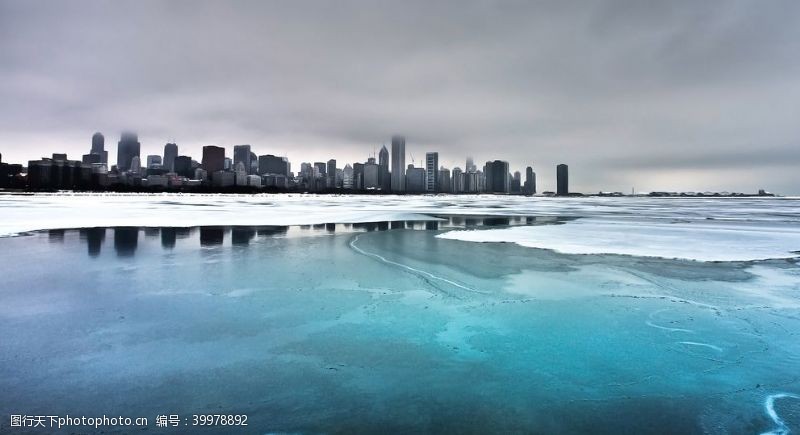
(659, 95)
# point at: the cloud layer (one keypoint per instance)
(657, 95)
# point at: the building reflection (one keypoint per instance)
(496, 221)
(55, 236)
(94, 238)
(272, 230)
(126, 239)
(168, 238)
(212, 236)
(242, 235)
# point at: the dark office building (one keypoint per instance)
(269, 164)
(331, 173)
(127, 148)
(92, 158)
(497, 179)
(415, 180)
(10, 174)
(183, 166)
(242, 153)
(213, 159)
(170, 153)
(39, 173)
(358, 176)
(562, 180)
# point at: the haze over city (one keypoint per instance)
(656, 96)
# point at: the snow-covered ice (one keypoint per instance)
(701, 241)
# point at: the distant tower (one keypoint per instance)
(562, 180)
(383, 158)
(432, 172)
(398, 164)
(127, 148)
(347, 179)
(383, 169)
(470, 166)
(99, 147)
(170, 153)
(530, 181)
(331, 173)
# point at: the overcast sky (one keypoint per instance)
(656, 95)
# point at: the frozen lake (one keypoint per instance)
(404, 314)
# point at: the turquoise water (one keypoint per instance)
(385, 328)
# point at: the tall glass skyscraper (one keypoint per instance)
(562, 180)
(170, 153)
(432, 172)
(127, 148)
(398, 164)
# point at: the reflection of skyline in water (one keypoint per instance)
(126, 239)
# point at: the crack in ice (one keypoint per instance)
(769, 406)
(695, 343)
(409, 268)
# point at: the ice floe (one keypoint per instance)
(701, 241)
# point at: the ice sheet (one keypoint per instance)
(701, 241)
(21, 213)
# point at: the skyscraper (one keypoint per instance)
(371, 173)
(98, 147)
(331, 173)
(242, 153)
(347, 180)
(127, 148)
(445, 185)
(515, 185)
(170, 153)
(321, 168)
(530, 181)
(398, 164)
(213, 159)
(470, 166)
(562, 180)
(458, 180)
(383, 158)
(497, 179)
(383, 169)
(432, 172)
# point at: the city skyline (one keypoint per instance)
(679, 96)
(244, 169)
